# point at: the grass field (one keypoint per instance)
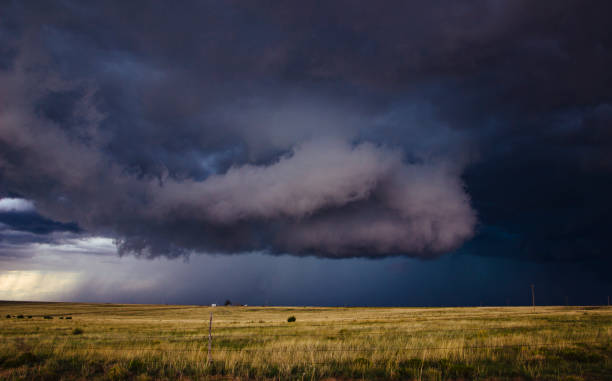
(143, 342)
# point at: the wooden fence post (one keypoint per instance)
(209, 339)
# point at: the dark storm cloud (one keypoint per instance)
(327, 128)
(34, 223)
(21, 227)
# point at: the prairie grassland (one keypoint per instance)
(171, 342)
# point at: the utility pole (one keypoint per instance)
(533, 296)
(608, 300)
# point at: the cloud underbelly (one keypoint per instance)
(330, 198)
(334, 195)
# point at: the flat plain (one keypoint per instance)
(148, 342)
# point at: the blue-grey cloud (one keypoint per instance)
(334, 129)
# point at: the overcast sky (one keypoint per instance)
(306, 152)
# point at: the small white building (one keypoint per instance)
(213, 305)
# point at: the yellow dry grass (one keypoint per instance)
(169, 342)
